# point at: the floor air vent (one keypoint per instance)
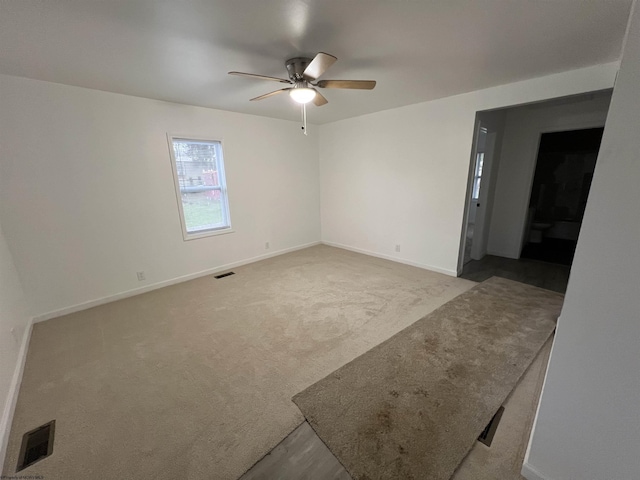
(36, 445)
(486, 436)
(222, 275)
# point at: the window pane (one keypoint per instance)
(476, 187)
(479, 164)
(200, 179)
(202, 210)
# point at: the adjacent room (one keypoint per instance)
(531, 181)
(324, 240)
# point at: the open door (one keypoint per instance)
(473, 231)
(480, 194)
(473, 186)
(481, 182)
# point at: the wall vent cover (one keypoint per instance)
(222, 275)
(36, 445)
(487, 434)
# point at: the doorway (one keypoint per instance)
(564, 169)
(510, 202)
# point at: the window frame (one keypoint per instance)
(224, 189)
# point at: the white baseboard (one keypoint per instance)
(184, 278)
(12, 397)
(528, 471)
(446, 271)
(531, 473)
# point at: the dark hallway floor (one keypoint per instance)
(551, 250)
(541, 274)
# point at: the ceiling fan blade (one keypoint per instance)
(353, 84)
(270, 94)
(318, 66)
(319, 99)
(260, 77)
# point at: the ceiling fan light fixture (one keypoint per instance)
(302, 94)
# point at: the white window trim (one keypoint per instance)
(176, 183)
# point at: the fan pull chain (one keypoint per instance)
(304, 118)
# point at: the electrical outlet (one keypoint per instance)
(266, 245)
(141, 276)
(397, 248)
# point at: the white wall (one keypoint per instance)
(14, 330)
(400, 176)
(523, 127)
(588, 426)
(87, 195)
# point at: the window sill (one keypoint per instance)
(206, 233)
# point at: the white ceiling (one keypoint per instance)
(417, 50)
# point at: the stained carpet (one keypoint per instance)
(413, 406)
(303, 455)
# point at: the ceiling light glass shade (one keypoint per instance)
(302, 95)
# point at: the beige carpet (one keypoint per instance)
(195, 381)
(414, 406)
(504, 458)
(303, 455)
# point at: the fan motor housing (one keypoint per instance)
(296, 66)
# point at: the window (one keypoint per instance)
(198, 173)
(477, 178)
(477, 174)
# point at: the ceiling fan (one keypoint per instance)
(303, 76)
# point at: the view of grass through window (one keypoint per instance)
(201, 210)
(200, 180)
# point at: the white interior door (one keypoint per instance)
(484, 163)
